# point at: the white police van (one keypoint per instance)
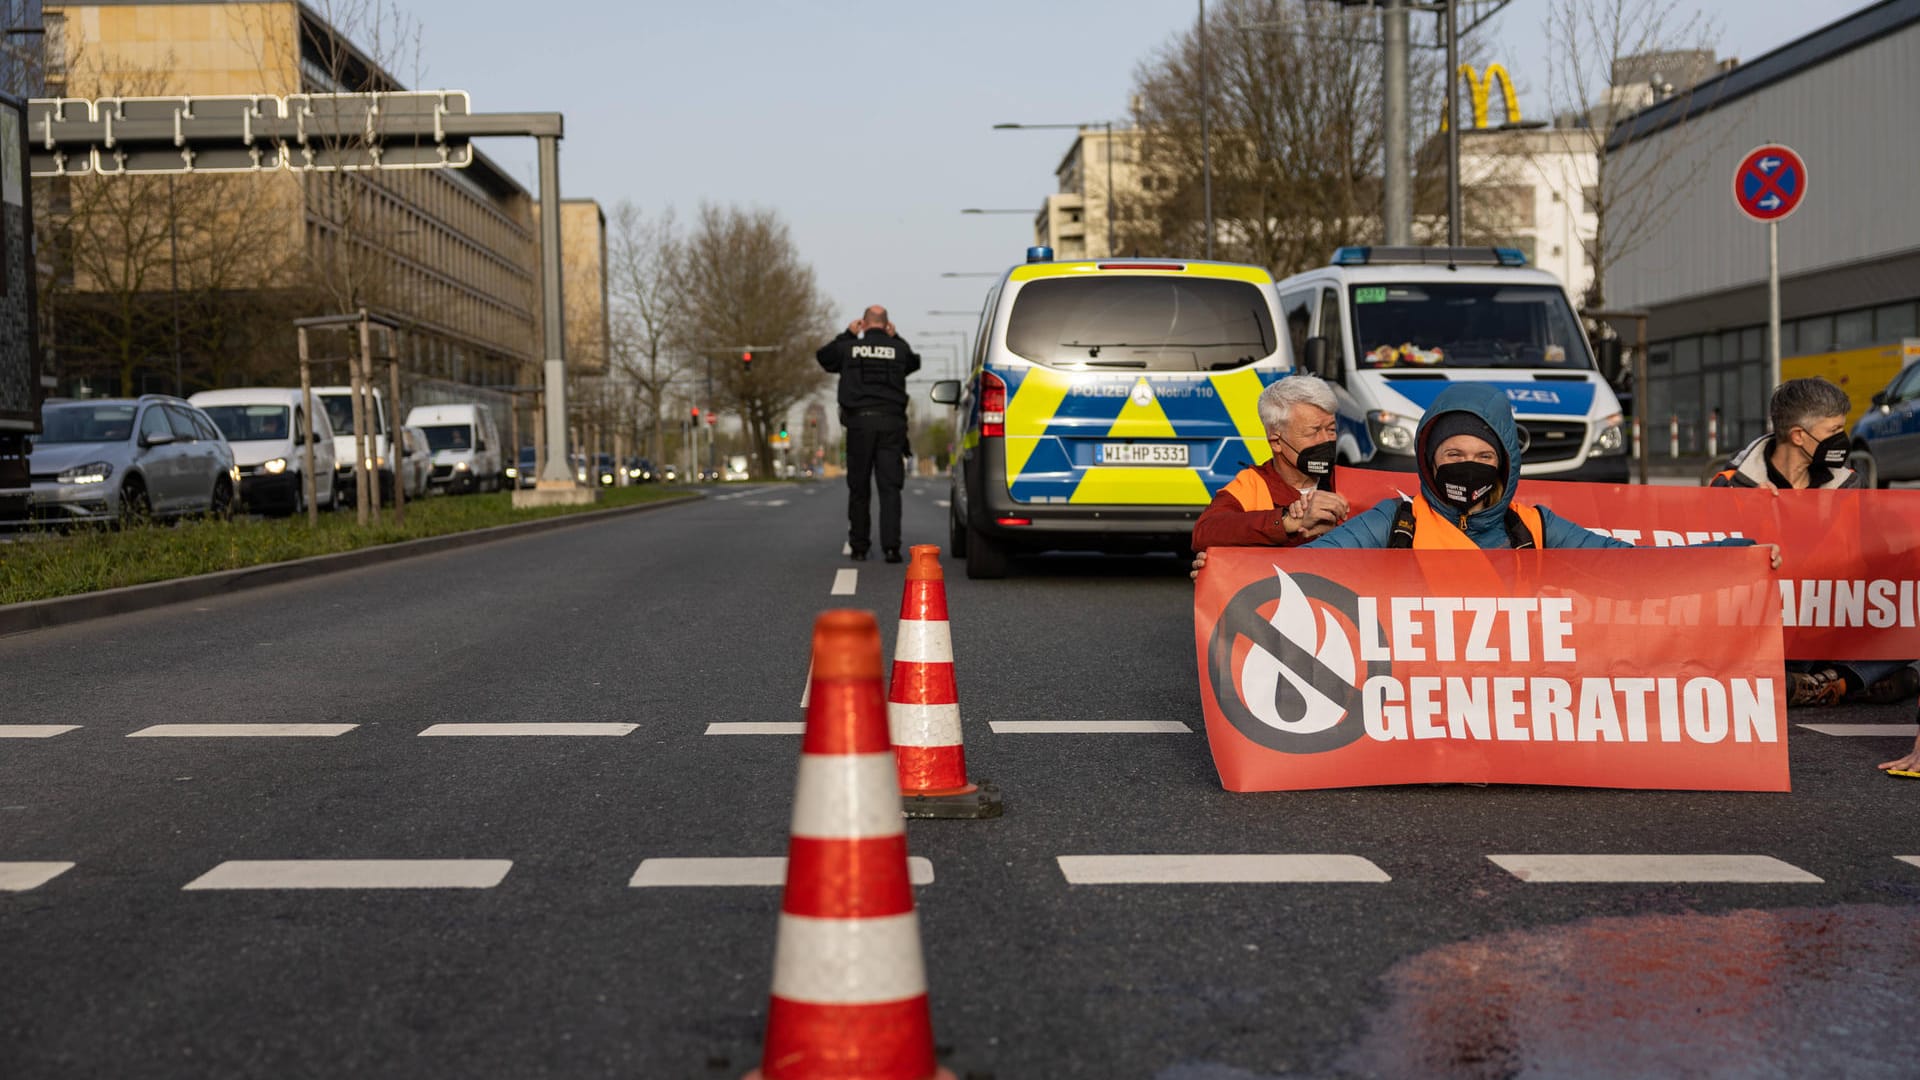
(1390, 327)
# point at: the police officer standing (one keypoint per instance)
(873, 364)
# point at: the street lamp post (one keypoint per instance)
(1107, 126)
(959, 363)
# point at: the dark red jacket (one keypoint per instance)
(1227, 523)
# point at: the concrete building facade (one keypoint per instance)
(1843, 97)
(1097, 176)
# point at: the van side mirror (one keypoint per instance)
(946, 392)
(1318, 360)
(1880, 399)
(1608, 353)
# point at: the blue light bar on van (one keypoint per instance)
(1511, 256)
(1039, 253)
(1429, 256)
(1350, 256)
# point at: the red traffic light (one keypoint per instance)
(746, 357)
(696, 415)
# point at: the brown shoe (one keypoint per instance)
(1823, 687)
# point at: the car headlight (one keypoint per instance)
(276, 466)
(1612, 438)
(512, 473)
(633, 474)
(91, 473)
(1391, 431)
(460, 466)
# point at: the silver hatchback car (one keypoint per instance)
(120, 458)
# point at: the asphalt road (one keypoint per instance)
(700, 614)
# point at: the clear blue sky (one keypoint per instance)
(866, 125)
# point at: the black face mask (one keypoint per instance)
(1316, 460)
(1464, 483)
(1832, 451)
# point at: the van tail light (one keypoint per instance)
(993, 405)
(1013, 521)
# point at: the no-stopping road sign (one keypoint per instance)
(1770, 183)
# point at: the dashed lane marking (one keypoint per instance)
(35, 731)
(354, 874)
(548, 728)
(760, 871)
(757, 727)
(846, 547)
(241, 731)
(1911, 860)
(1089, 727)
(1216, 869)
(845, 581)
(941, 502)
(1869, 730)
(21, 876)
(1654, 869)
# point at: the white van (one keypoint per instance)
(263, 425)
(465, 444)
(1390, 327)
(339, 409)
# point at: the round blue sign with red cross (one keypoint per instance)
(1770, 183)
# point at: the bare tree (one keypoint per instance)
(1608, 60)
(642, 255)
(741, 282)
(1293, 98)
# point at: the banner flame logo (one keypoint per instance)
(1261, 677)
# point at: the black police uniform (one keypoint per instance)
(873, 370)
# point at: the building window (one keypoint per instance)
(1816, 334)
(1686, 356)
(1893, 322)
(1852, 329)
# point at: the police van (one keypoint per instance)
(1107, 402)
(1390, 327)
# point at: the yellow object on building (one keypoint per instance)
(1860, 372)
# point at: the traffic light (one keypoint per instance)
(783, 431)
(696, 414)
(746, 357)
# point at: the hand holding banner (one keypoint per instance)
(1595, 668)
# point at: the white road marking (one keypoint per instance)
(762, 871)
(1911, 860)
(354, 874)
(769, 502)
(806, 692)
(1754, 869)
(243, 731)
(1887, 730)
(548, 728)
(846, 547)
(1216, 869)
(1089, 727)
(21, 876)
(757, 727)
(844, 581)
(35, 731)
(941, 503)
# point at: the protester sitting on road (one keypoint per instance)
(1807, 450)
(1289, 499)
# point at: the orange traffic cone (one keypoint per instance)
(923, 706)
(849, 985)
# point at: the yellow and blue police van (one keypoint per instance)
(1391, 327)
(1107, 401)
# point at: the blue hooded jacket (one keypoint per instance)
(1486, 528)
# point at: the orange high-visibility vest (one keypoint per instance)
(1250, 489)
(1434, 532)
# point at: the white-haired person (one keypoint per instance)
(1287, 499)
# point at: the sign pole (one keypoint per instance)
(1773, 306)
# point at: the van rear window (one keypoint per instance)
(1141, 323)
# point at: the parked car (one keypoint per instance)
(465, 443)
(416, 465)
(125, 459)
(263, 425)
(641, 471)
(339, 405)
(1886, 439)
(670, 473)
(737, 467)
(605, 472)
(525, 472)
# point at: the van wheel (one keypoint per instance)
(985, 557)
(956, 537)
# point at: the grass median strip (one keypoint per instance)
(54, 564)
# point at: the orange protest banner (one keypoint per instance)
(1635, 669)
(1849, 581)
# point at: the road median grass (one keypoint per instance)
(45, 566)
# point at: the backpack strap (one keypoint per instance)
(1519, 537)
(1402, 534)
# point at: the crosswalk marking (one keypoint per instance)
(1905, 731)
(1089, 727)
(845, 580)
(544, 728)
(245, 731)
(757, 871)
(21, 876)
(757, 727)
(354, 874)
(35, 731)
(1216, 869)
(1753, 869)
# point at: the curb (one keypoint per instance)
(33, 615)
